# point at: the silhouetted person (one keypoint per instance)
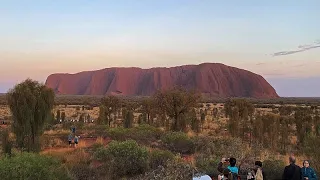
(292, 172)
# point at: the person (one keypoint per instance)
(232, 166)
(227, 175)
(70, 139)
(292, 171)
(76, 140)
(73, 129)
(201, 177)
(258, 173)
(307, 172)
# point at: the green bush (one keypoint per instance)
(311, 149)
(159, 158)
(143, 134)
(101, 154)
(32, 166)
(6, 142)
(82, 171)
(220, 147)
(273, 168)
(174, 170)
(178, 142)
(124, 158)
(118, 134)
(207, 165)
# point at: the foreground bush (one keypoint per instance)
(83, 171)
(207, 165)
(123, 158)
(30, 166)
(311, 149)
(273, 168)
(220, 147)
(178, 142)
(143, 134)
(159, 158)
(173, 170)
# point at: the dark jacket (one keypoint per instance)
(292, 172)
(234, 170)
(308, 172)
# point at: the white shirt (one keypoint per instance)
(204, 177)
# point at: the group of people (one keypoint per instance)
(73, 137)
(294, 172)
(229, 171)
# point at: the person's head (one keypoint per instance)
(292, 159)
(306, 163)
(258, 163)
(232, 161)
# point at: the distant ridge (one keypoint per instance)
(212, 79)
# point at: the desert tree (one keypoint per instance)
(63, 116)
(176, 103)
(147, 108)
(31, 105)
(285, 110)
(111, 106)
(215, 112)
(258, 132)
(284, 132)
(128, 121)
(271, 124)
(58, 115)
(81, 118)
(202, 118)
(195, 123)
(317, 124)
(6, 142)
(88, 117)
(240, 113)
(302, 121)
(102, 115)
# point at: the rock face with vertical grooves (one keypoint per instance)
(213, 79)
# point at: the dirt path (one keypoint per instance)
(83, 143)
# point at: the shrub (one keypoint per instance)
(82, 171)
(159, 158)
(124, 158)
(32, 166)
(143, 134)
(119, 134)
(178, 142)
(101, 154)
(273, 168)
(219, 147)
(6, 142)
(174, 170)
(207, 165)
(310, 148)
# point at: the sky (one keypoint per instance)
(279, 40)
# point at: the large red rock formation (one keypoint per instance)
(210, 78)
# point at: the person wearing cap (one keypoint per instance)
(307, 172)
(292, 171)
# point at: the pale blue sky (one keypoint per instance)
(41, 37)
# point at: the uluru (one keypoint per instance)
(213, 79)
